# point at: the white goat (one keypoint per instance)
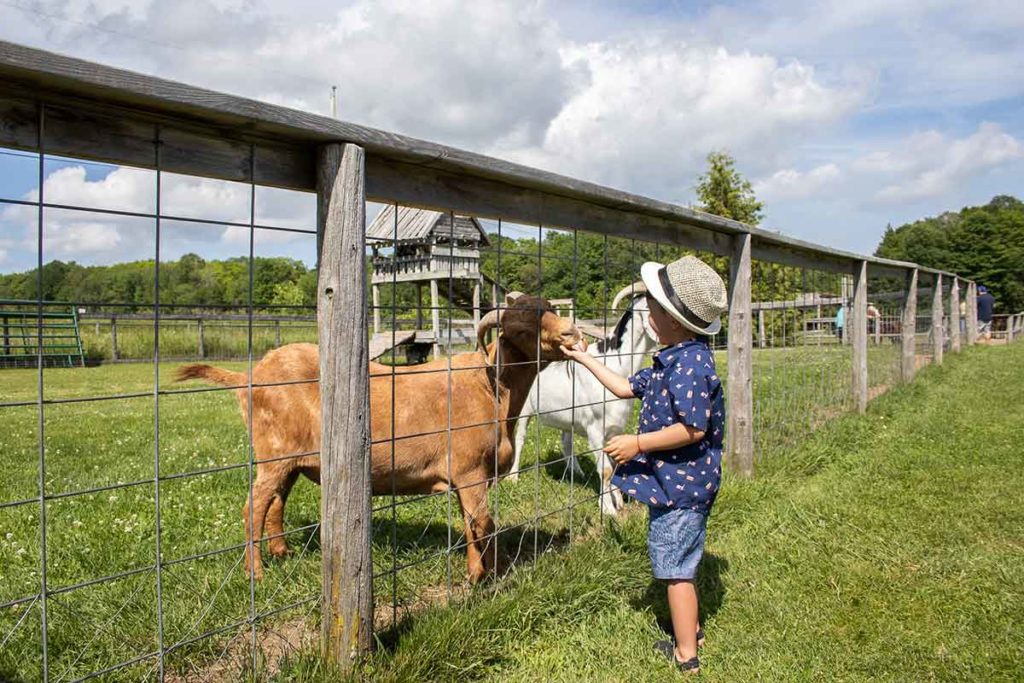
(598, 415)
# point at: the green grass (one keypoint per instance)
(180, 339)
(95, 535)
(887, 547)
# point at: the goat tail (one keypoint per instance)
(211, 374)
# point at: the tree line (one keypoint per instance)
(982, 243)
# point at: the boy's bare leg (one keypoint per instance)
(682, 604)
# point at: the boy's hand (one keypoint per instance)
(623, 448)
(576, 353)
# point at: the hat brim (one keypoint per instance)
(649, 274)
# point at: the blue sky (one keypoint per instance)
(845, 116)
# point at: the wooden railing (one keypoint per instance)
(58, 105)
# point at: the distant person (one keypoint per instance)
(840, 319)
(874, 317)
(986, 303)
(963, 317)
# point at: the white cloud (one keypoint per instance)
(628, 98)
(928, 165)
(653, 108)
(97, 237)
(792, 184)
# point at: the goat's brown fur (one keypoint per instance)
(286, 422)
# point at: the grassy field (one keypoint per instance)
(203, 450)
(887, 547)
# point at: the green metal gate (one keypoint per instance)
(27, 334)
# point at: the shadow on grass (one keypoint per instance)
(517, 546)
(710, 590)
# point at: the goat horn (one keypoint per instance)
(487, 323)
(628, 290)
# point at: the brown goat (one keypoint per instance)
(487, 392)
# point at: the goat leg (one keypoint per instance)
(254, 518)
(276, 544)
(479, 529)
(570, 456)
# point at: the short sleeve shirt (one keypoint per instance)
(681, 386)
(986, 303)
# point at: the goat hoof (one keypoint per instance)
(280, 551)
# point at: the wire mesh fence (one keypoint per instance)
(802, 357)
(159, 518)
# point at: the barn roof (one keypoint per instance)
(418, 224)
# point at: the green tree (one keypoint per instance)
(982, 243)
(724, 192)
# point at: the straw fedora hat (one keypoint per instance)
(689, 290)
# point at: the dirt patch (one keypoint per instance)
(273, 643)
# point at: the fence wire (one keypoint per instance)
(133, 505)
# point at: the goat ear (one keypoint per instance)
(511, 297)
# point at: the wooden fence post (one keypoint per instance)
(972, 314)
(760, 328)
(908, 328)
(859, 335)
(202, 339)
(954, 316)
(938, 342)
(740, 408)
(345, 514)
(113, 337)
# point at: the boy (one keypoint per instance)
(674, 463)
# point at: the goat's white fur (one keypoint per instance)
(598, 415)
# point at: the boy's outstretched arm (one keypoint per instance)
(617, 384)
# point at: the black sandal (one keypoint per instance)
(668, 649)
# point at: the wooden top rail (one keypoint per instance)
(113, 115)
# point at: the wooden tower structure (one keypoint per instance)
(427, 247)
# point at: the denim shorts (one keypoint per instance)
(675, 542)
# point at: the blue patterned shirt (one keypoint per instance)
(681, 386)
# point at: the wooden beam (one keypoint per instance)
(954, 316)
(859, 336)
(426, 187)
(132, 98)
(938, 338)
(908, 330)
(740, 408)
(345, 512)
(129, 138)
